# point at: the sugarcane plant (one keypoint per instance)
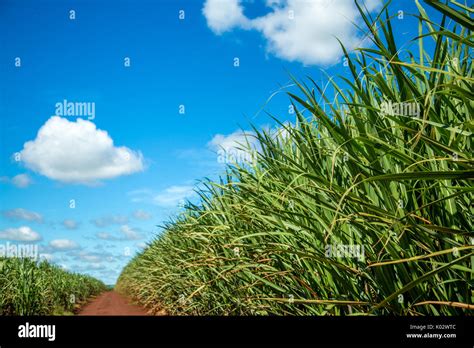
(31, 287)
(361, 206)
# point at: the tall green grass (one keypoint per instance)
(396, 185)
(31, 288)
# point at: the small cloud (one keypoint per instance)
(126, 233)
(140, 195)
(88, 268)
(173, 195)
(106, 236)
(105, 246)
(20, 180)
(169, 197)
(23, 233)
(141, 215)
(63, 245)
(234, 141)
(141, 245)
(110, 220)
(78, 152)
(224, 15)
(90, 257)
(93, 257)
(70, 224)
(130, 233)
(22, 214)
(237, 147)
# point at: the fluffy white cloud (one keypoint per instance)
(173, 195)
(23, 233)
(78, 152)
(296, 30)
(224, 15)
(23, 214)
(63, 245)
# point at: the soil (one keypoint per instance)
(112, 303)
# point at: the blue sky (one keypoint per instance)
(132, 178)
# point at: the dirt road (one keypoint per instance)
(111, 303)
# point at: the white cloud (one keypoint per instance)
(169, 197)
(110, 220)
(20, 180)
(78, 152)
(141, 215)
(224, 15)
(23, 233)
(90, 257)
(70, 224)
(88, 268)
(296, 30)
(23, 214)
(126, 233)
(237, 147)
(141, 245)
(141, 195)
(173, 195)
(233, 141)
(130, 233)
(63, 244)
(106, 236)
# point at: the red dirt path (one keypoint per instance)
(111, 303)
